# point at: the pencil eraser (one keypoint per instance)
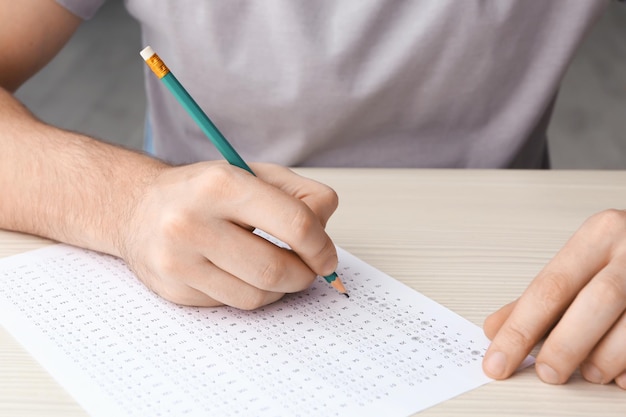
(146, 53)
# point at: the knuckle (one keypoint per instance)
(219, 182)
(610, 221)
(271, 274)
(517, 336)
(328, 250)
(252, 301)
(301, 223)
(557, 352)
(555, 291)
(611, 289)
(330, 198)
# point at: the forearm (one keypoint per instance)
(66, 186)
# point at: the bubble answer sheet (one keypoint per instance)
(121, 350)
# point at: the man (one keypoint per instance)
(326, 83)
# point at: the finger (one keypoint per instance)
(180, 293)
(607, 360)
(266, 266)
(288, 219)
(545, 300)
(320, 198)
(163, 279)
(592, 314)
(183, 278)
(494, 321)
(227, 289)
(621, 380)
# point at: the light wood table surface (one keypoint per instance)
(469, 239)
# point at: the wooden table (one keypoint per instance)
(471, 240)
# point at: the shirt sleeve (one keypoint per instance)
(85, 9)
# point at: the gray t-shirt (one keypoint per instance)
(372, 83)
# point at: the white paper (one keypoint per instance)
(121, 350)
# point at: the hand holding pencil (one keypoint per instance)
(190, 239)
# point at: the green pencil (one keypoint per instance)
(211, 131)
(202, 120)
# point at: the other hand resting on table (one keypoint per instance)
(578, 303)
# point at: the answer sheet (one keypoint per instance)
(121, 350)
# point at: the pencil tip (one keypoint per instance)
(338, 285)
(346, 294)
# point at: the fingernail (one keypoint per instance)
(591, 373)
(495, 364)
(546, 373)
(621, 380)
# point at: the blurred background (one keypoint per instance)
(106, 98)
